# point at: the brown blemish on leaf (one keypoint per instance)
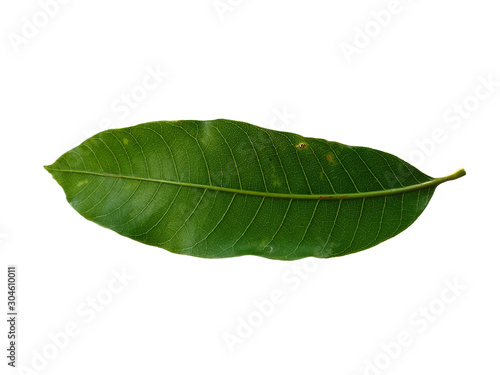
(329, 158)
(332, 197)
(301, 145)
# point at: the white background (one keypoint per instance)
(61, 82)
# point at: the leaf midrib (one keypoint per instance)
(368, 194)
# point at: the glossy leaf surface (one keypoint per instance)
(223, 188)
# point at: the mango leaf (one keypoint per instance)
(223, 188)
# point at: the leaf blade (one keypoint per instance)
(223, 188)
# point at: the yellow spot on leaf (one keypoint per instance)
(125, 141)
(82, 182)
(264, 245)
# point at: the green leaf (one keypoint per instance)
(223, 188)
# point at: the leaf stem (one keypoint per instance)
(367, 194)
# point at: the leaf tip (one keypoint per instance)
(48, 168)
